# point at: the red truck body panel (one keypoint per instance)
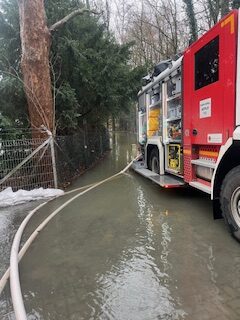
(209, 86)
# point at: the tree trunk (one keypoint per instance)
(236, 4)
(35, 40)
(225, 7)
(192, 20)
(113, 124)
(87, 4)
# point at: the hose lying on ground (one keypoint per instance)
(5, 277)
(15, 257)
(21, 253)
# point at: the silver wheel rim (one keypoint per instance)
(155, 165)
(235, 206)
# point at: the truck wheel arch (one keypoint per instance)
(229, 159)
(229, 199)
(150, 148)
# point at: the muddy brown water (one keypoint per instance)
(130, 250)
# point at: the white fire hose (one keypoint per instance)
(15, 257)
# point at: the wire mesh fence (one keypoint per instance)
(76, 153)
(26, 162)
(33, 173)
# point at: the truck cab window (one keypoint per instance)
(207, 64)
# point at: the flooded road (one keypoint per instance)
(129, 250)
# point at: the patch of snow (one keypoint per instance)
(10, 198)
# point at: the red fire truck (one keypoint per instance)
(189, 121)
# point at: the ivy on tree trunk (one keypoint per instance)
(192, 20)
(236, 4)
(225, 7)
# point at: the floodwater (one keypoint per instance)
(129, 250)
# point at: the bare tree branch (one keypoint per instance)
(70, 16)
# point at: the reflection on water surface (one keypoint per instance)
(130, 250)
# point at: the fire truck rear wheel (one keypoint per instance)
(154, 161)
(230, 201)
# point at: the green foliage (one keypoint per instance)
(5, 123)
(12, 97)
(96, 68)
(9, 129)
(236, 4)
(91, 73)
(9, 35)
(67, 110)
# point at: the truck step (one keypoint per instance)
(200, 186)
(204, 163)
(165, 181)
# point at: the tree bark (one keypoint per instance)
(70, 16)
(113, 123)
(236, 4)
(36, 40)
(88, 4)
(225, 7)
(192, 20)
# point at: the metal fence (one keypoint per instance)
(76, 153)
(27, 163)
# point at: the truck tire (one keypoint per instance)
(154, 161)
(230, 201)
